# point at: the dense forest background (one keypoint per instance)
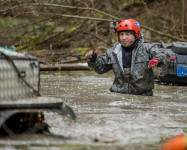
(39, 25)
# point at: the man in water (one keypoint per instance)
(131, 60)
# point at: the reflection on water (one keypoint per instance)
(112, 119)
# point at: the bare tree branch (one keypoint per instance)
(71, 16)
(111, 16)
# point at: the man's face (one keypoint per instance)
(126, 39)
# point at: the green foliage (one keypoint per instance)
(82, 50)
(71, 30)
(125, 4)
(10, 22)
(97, 115)
(185, 130)
(99, 15)
(53, 61)
(28, 43)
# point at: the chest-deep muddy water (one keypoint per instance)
(106, 120)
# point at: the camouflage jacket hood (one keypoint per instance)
(141, 77)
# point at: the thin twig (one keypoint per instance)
(82, 2)
(71, 16)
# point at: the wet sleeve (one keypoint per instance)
(158, 53)
(101, 64)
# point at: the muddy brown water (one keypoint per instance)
(105, 120)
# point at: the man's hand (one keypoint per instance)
(153, 63)
(92, 55)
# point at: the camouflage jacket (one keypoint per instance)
(141, 77)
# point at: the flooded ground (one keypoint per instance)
(105, 120)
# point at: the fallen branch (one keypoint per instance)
(164, 34)
(65, 67)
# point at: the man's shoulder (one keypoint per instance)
(149, 46)
(116, 46)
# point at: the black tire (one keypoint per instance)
(180, 47)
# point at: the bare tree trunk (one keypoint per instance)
(172, 19)
(95, 22)
(149, 12)
(182, 20)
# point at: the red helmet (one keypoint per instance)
(129, 24)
